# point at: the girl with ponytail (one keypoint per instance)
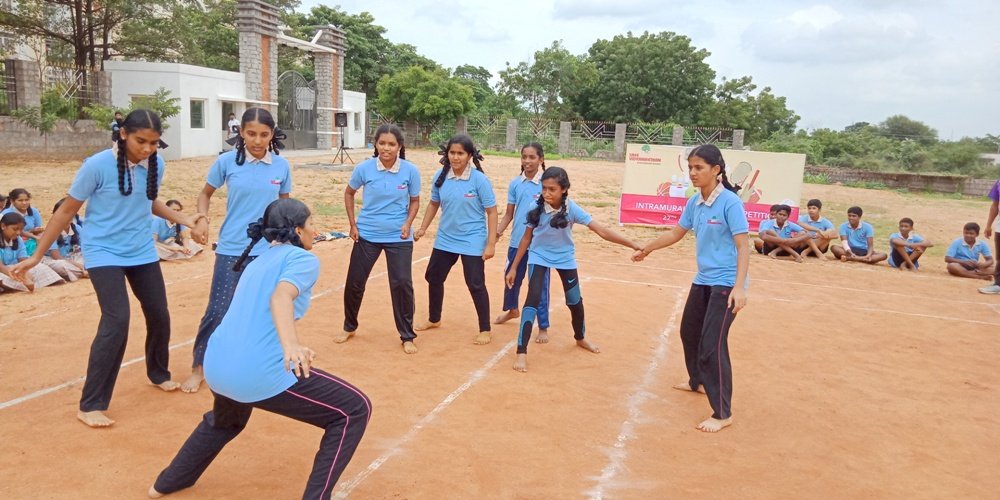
(715, 214)
(548, 243)
(19, 201)
(254, 175)
(467, 231)
(117, 248)
(172, 240)
(255, 360)
(64, 256)
(392, 197)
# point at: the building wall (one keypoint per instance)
(356, 104)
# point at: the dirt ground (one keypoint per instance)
(850, 381)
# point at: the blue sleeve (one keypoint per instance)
(37, 216)
(301, 269)
(953, 249)
(986, 249)
(217, 174)
(843, 229)
(484, 189)
(869, 231)
(357, 178)
(286, 183)
(414, 182)
(86, 181)
(511, 192)
(687, 218)
(578, 215)
(435, 190)
(795, 227)
(736, 218)
(22, 251)
(827, 225)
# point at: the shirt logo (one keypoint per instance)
(714, 221)
(404, 185)
(535, 197)
(276, 181)
(470, 194)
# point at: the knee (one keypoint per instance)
(116, 322)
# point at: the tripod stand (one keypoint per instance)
(342, 151)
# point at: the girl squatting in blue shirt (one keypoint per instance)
(116, 248)
(716, 216)
(468, 230)
(391, 199)
(548, 241)
(254, 360)
(253, 181)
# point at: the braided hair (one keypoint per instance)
(713, 156)
(467, 144)
(277, 225)
(539, 150)
(389, 128)
(139, 119)
(560, 220)
(11, 219)
(14, 195)
(263, 117)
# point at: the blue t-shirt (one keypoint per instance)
(9, 256)
(788, 230)
(164, 229)
(553, 247)
(714, 228)
(765, 225)
(823, 224)
(959, 250)
(65, 249)
(30, 221)
(857, 238)
(523, 194)
(244, 359)
(386, 199)
(914, 238)
(462, 228)
(117, 225)
(252, 187)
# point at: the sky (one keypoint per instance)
(836, 62)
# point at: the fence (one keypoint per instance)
(950, 184)
(81, 85)
(8, 88)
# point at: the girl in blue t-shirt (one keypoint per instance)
(467, 231)
(254, 175)
(19, 201)
(173, 241)
(12, 251)
(391, 199)
(523, 195)
(718, 220)
(255, 360)
(64, 256)
(548, 241)
(117, 248)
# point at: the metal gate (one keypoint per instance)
(297, 110)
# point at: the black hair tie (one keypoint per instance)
(255, 230)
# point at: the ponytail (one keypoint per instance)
(276, 145)
(536, 213)
(255, 231)
(123, 169)
(561, 218)
(241, 150)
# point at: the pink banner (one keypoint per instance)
(666, 211)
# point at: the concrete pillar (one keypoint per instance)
(329, 84)
(257, 23)
(620, 129)
(678, 138)
(462, 126)
(27, 84)
(565, 130)
(511, 143)
(738, 138)
(103, 79)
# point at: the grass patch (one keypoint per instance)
(867, 185)
(816, 179)
(329, 209)
(517, 154)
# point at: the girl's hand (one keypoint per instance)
(404, 232)
(419, 234)
(737, 299)
(988, 232)
(488, 252)
(301, 357)
(199, 231)
(353, 233)
(20, 270)
(509, 279)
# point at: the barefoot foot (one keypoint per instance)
(714, 425)
(507, 316)
(521, 362)
(588, 346)
(543, 336)
(684, 386)
(342, 337)
(427, 325)
(153, 493)
(409, 347)
(193, 383)
(168, 386)
(94, 418)
(482, 339)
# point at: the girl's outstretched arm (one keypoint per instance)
(491, 233)
(522, 248)
(432, 210)
(738, 299)
(669, 238)
(283, 314)
(59, 220)
(508, 216)
(613, 236)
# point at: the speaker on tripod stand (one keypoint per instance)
(340, 121)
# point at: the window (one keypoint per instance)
(357, 122)
(197, 113)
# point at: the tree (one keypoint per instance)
(651, 77)
(478, 79)
(426, 97)
(552, 84)
(901, 128)
(760, 115)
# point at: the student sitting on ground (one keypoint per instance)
(784, 238)
(821, 230)
(758, 242)
(12, 251)
(858, 240)
(173, 241)
(906, 247)
(963, 255)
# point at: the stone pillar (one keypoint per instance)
(103, 88)
(738, 138)
(27, 84)
(620, 129)
(257, 23)
(565, 130)
(329, 84)
(462, 126)
(511, 144)
(678, 138)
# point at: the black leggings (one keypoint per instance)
(536, 285)
(473, 266)
(705, 336)
(108, 348)
(399, 263)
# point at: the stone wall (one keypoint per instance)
(937, 183)
(68, 140)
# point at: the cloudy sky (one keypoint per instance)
(836, 62)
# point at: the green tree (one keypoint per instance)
(652, 77)
(900, 127)
(478, 79)
(552, 84)
(760, 114)
(426, 97)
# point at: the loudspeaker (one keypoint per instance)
(340, 119)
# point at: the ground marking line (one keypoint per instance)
(628, 282)
(344, 489)
(634, 403)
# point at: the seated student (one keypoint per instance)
(821, 230)
(64, 256)
(12, 251)
(784, 238)
(858, 240)
(758, 242)
(963, 255)
(906, 247)
(173, 241)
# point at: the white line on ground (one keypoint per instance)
(628, 282)
(618, 453)
(345, 488)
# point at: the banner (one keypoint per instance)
(657, 186)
